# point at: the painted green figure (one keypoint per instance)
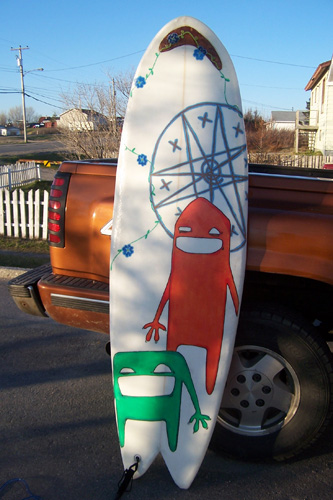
(155, 408)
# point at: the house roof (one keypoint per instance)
(318, 74)
(283, 116)
(88, 112)
(330, 75)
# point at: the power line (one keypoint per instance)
(274, 62)
(58, 79)
(267, 87)
(42, 92)
(44, 102)
(266, 105)
(41, 95)
(70, 81)
(8, 70)
(141, 51)
(100, 62)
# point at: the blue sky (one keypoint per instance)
(275, 45)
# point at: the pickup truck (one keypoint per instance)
(278, 397)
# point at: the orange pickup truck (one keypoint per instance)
(279, 395)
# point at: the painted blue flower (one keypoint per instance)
(199, 53)
(142, 160)
(127, 250)
(140, 82)
(173, 38)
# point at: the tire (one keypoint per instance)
(279, 393)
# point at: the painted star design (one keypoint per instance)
(205, 172)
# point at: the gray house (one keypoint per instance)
(286, 120)
(6, 131)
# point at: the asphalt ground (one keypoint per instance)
(16, 147)
(47, 173)
(58, 429)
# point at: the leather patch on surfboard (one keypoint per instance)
(186, 35)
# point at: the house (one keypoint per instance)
(286, 120)
(321, 107)
(282, 120)
(48, 121)
(82, 119)
(6, 131)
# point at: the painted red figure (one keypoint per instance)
(197, 286)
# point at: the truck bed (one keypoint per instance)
(289, 235)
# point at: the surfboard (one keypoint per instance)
(178, 248)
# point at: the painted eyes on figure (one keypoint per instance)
(198, 245)
(187, 229)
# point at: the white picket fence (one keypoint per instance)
(17, 175)
(24, 215)
(292, 160)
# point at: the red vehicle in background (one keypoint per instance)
(279, 394)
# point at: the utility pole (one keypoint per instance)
(20, 64)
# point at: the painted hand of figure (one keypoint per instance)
(154, 326)
(198, 417)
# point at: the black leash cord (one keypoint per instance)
(125, 483)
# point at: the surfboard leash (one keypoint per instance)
(125, 483)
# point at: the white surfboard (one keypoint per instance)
(178, 248)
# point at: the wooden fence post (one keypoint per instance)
(37, 212)
(9, 178)
(30, 215)
(23, 215)
(8, 222)
(45, 215)
(15, 214)
(2, 213)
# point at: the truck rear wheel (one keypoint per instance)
(278, 397)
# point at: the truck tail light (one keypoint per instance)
(57, 205)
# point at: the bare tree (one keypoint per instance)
(31, 115)
(261, 138)
(122, 85)
(15, 115)
(91, 124)
(3, 118)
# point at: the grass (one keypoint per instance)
(32, 135)
(50, 156)
(42, 185)
(18, 252)
(23, 245)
